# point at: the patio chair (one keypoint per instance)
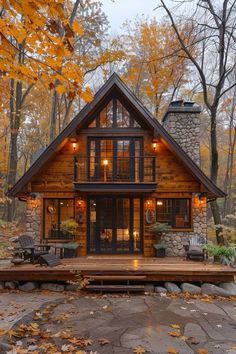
(194, 248)
(31, 250)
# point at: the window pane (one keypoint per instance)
(182, 217)
(164, 211)
(92, 225)
(136, 124)
(93, 124)
(56, 211)
(123, 160)
(106, 116)
(106, 219)
(93, 168)
(122, 220)
(51, 218)
(136, 224)
(123, 116)
(106, 161)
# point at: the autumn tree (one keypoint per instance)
(214, 34)
(32, 51)
(153, 69)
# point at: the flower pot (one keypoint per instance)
(217, 259)
(160, 252)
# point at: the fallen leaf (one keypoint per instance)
(202, 351)
(176, 326)
(103, 341)
(171, 350)
(174, 334)
(139, 350)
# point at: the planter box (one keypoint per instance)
(160, 252)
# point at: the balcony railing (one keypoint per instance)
(115, 169)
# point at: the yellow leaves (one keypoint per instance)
(174, 334)
(171, 350)
(139, 350)
(60, 89)
(77, 28)
(87, 95)
(176, 326)
(202, 351)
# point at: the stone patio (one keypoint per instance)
(126, 322)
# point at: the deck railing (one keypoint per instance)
(115, 169)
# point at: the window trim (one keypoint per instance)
(114, 100)
(58, 215)
(173, 226)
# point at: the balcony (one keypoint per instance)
(127, 174)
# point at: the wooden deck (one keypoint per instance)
(114, 267)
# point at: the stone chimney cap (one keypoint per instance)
(181, 106)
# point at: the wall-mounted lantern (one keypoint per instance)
(159, 202)
(154, 145)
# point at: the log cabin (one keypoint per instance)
(115, 170)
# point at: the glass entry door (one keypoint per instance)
(114, 225)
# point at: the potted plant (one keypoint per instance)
(219, 252)
(68, 227)
(158, 229)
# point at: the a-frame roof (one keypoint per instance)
(114, 82)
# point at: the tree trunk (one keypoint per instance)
(53, 118)
(214, 173)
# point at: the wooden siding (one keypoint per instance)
(57, 177)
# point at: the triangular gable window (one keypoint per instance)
(119, 117)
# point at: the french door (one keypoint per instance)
(115, 159)
(114, 225)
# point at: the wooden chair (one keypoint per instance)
(31, 250)
(194, 247)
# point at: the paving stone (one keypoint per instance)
(72, 287)
(195, 331)
(149, 288)
(11, 285)
(160, 290)
(29, 286)
(211, 289)
(230, 287)
(52, 287)
(172, 288)
(190, 288)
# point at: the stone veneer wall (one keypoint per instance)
(185, 129)
(175, 240)
(33, 218)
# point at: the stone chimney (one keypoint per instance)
(182, 122)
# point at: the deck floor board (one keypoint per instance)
(155, 269)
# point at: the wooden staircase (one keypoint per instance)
(113, 283)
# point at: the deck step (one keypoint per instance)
(116, 277)
(115, 287)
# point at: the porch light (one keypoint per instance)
(159, 202)
(74, 145)
(154, 145)
(105, 162)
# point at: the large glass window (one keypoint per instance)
(174, 212)
(55, 212)
(114, 114)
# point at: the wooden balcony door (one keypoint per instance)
(114, 225)
(115, 159)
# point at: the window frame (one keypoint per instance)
(132, 121)
(173, 213)
(58, 215)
